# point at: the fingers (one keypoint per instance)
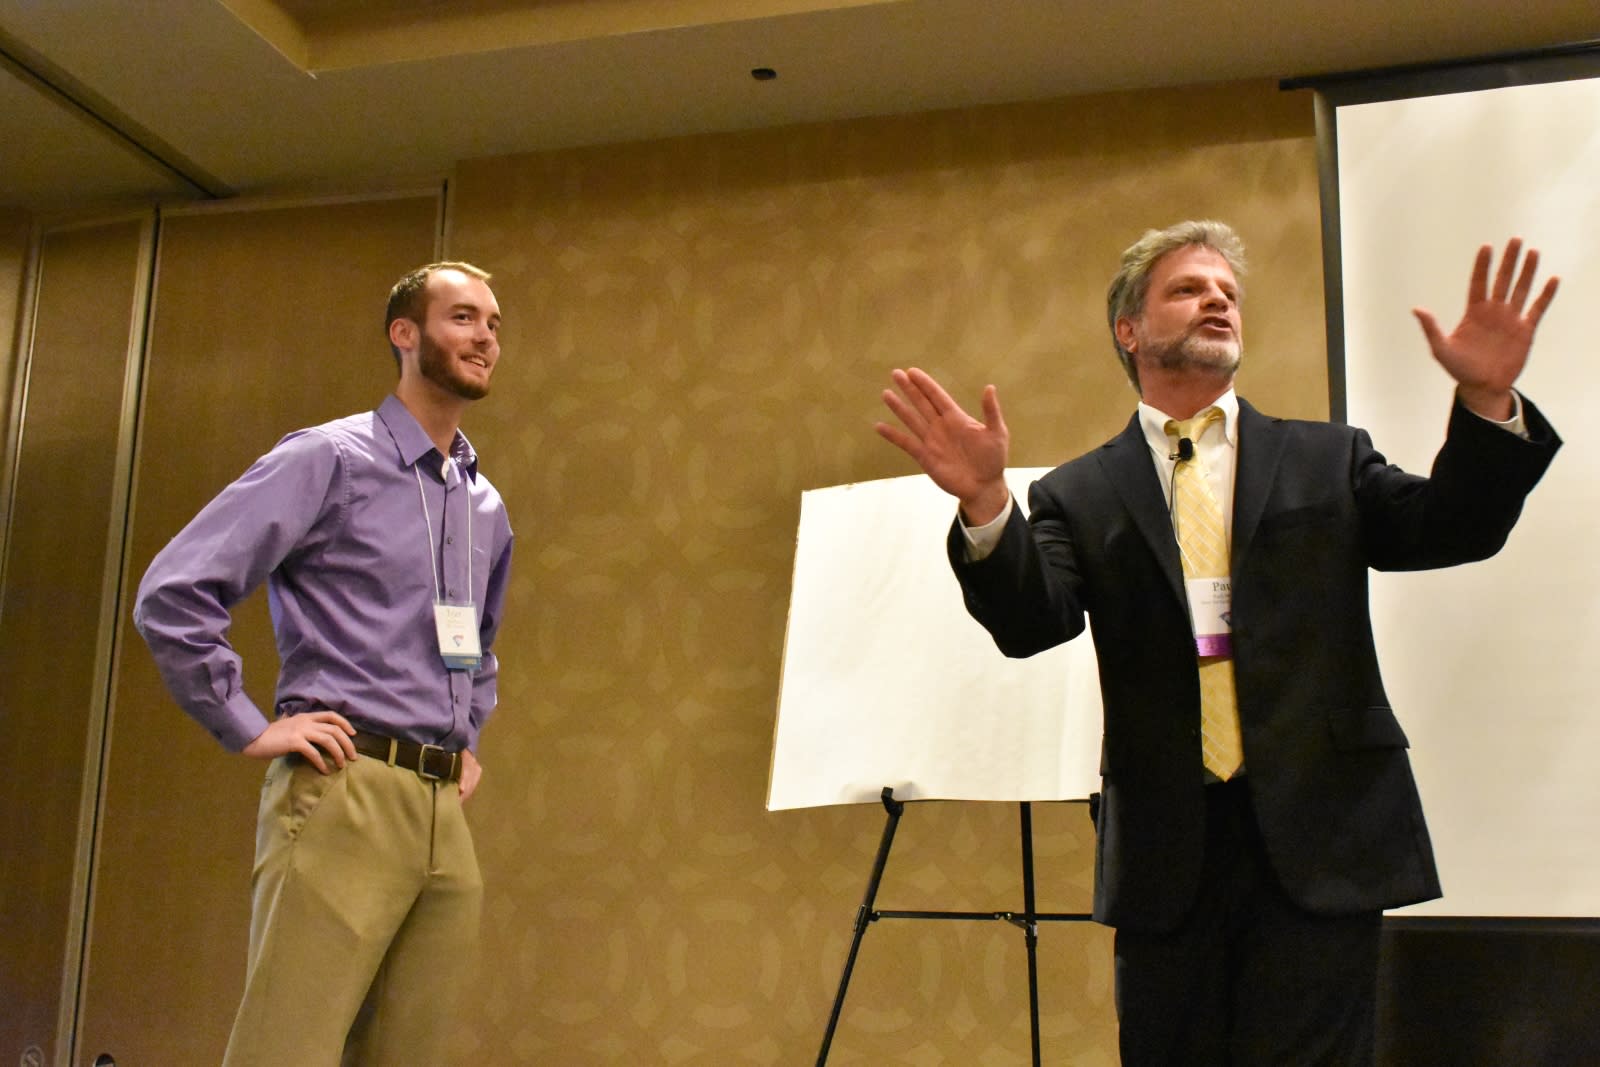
(1519, 295)
(911, 446)
(910, 416)
(312, 755)
(471, 773)
(332, 731)
(1507, 268)
(1536, 312)
(938, 401)
(331, 717)
(1478, 285)
(313, 745)
(313, 733)
(918, 402)
(1504, 290)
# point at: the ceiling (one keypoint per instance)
(110, 101)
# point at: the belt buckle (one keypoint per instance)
(422, 762)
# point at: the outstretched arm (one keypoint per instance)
(1487, 350)
(964, 456)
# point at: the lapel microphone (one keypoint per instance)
(1185, 451)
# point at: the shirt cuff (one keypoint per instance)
(981, 540)
(239, 723)
(1515, 423)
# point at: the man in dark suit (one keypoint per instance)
(1258, 810)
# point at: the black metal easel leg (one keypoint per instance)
(865, 915)
(1030, 926)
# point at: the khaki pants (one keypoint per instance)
(364, 923)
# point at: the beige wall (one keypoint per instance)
(696, 332)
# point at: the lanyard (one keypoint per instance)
(433, 551)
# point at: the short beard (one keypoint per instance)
(1190, 352)
(437, 367)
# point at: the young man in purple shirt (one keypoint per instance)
(386, 556)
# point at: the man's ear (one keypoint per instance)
(1126, 335)
(404, 334)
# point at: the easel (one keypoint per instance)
(1027, 920)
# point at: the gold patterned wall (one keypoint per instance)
(696, 332)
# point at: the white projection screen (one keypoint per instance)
(1493, 668)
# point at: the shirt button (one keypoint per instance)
(449, 540)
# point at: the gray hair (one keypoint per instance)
(1125, 298)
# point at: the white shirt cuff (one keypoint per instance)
(981, 540)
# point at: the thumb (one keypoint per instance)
(1430, 329)
(991, 410)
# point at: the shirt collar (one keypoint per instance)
(1154, 422)
(413, 441)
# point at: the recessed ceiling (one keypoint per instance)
(322, 35)
(102, 100)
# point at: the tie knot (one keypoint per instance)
(1193, 428)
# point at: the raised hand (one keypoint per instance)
(310, 734)
(964, 457)
(1487, 350)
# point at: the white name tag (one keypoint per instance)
(457, 625)
(1211, 613)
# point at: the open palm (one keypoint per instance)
(1489, 347)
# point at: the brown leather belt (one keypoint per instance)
(429, 761)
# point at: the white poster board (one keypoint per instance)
(887, 681)
(1492, 667)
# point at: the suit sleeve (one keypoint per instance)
(1465, 509)
(1026, 592)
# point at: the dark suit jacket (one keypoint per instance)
(1314, 507)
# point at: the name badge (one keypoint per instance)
(1211, 613)
(457, 625)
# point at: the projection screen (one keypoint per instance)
(1492, 668)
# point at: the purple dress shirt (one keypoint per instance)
(333, 520)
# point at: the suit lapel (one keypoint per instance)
(1260, 450)
(1125, 459)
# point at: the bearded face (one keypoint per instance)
(1194, 349)
(462, 374)
(1190, 319)
(458, 338)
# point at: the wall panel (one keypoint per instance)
(16, 231)
(54, 626)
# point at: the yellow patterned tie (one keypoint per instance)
(1203, 544)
